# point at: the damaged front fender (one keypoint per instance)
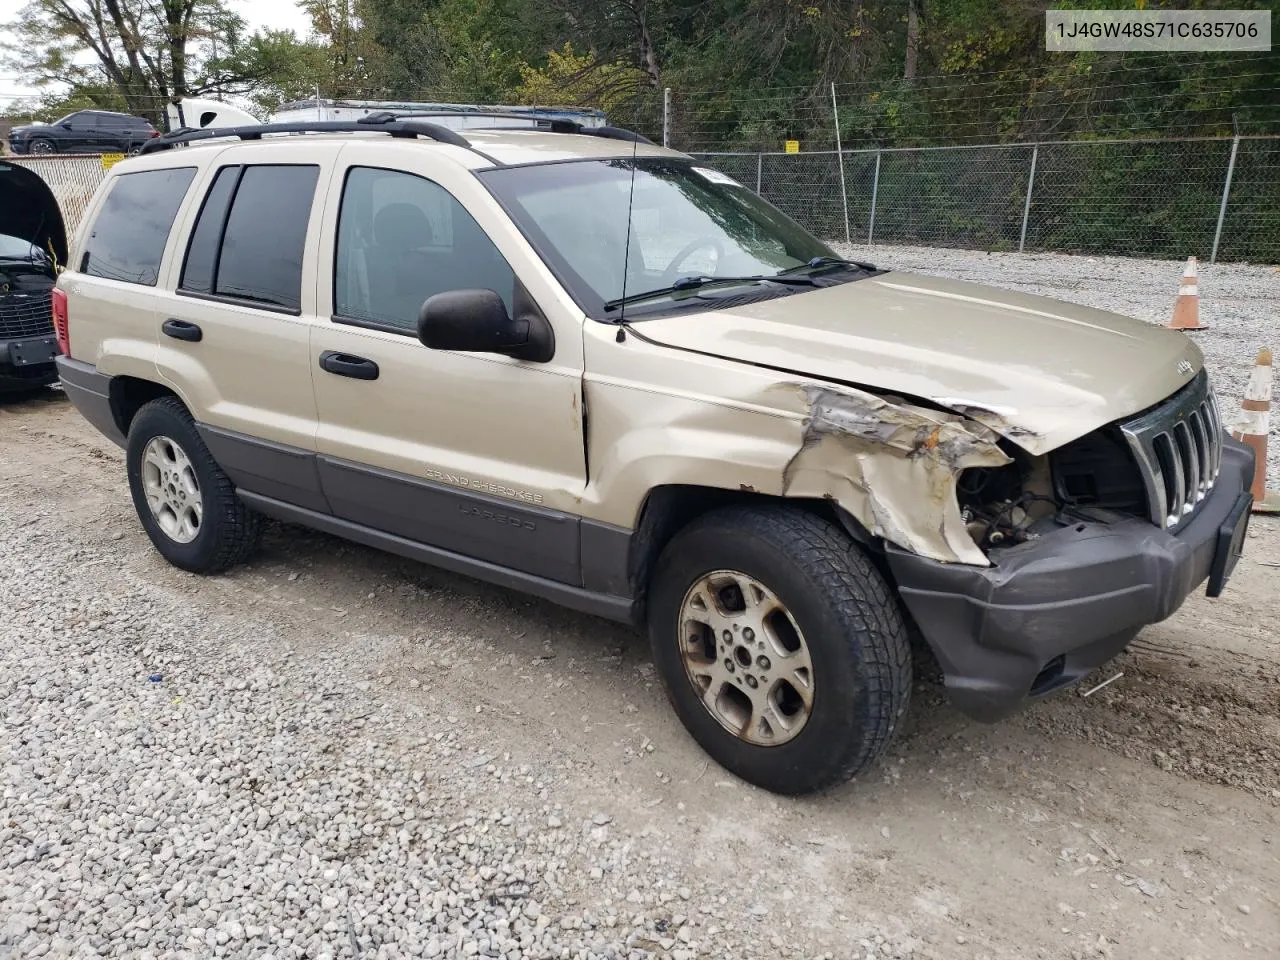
(893, 466)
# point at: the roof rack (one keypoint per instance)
(383, 124)
(385, 121)
(554, 124)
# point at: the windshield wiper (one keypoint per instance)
(695, 282)
(818, 263)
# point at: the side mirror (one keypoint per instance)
(476, 321)
(65, 124)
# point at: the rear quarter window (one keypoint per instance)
(129, 235)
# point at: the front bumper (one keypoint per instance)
(1051, 610)
(40, 349)
(28, 359)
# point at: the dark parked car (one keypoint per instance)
(85, 131)
(32, 242)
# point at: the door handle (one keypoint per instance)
(182, 330)
(346, 365)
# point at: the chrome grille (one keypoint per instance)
(29, 315)
(1178, 446)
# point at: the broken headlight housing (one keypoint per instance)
(1001, 505)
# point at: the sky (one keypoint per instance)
(269, 14)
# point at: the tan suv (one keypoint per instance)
(587, 367)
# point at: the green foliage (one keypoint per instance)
(51, 105)
(746, 75)
(571, 79)
(136, 55)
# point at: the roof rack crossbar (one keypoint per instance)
(394, 126)
(554, 124)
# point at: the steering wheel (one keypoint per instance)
(672, 273)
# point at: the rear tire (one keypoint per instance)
(187, 505)
(781, 647)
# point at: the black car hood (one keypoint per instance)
(28, 209)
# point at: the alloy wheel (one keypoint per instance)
(746, 657)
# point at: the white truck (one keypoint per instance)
(196, 113)
(465, 115)
(190, 112)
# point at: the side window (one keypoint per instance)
(202, 248)
(403, 238)
(248, 241)
(130, 232)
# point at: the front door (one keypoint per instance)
(477, 453)
(82, 133)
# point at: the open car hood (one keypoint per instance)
(1038, 371)
(28, 209)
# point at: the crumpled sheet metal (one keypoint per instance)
(892, 466)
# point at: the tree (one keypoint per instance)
(145, 52)
(51, 105)
(619, 31)
(456, 49)
(571, 79)
(351, 62)
(913, 40)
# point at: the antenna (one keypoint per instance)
(626, 249)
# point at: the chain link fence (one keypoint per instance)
(72, 179)
(1214, 198)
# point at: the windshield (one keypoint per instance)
(16, 248)
(686, 221)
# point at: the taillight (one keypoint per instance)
(60, 327)
(153, 133)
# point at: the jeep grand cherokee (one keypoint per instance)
(598, 371)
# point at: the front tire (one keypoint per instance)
(41, 145)
(187, 505)
(780, 646)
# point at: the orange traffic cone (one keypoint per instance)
(1186, 309)
(1252, 427)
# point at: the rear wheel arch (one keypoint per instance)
(187, 505)
(128, 395)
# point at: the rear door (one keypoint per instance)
(115, 283)
(480, 454)
(99, 132)
(235, 327)
(118, 132)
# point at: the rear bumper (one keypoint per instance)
(1052, 610)
(90, 391)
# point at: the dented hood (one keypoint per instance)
(1038, 371)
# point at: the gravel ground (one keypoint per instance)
(336, 753)
(1240, 303)
(181, 784)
